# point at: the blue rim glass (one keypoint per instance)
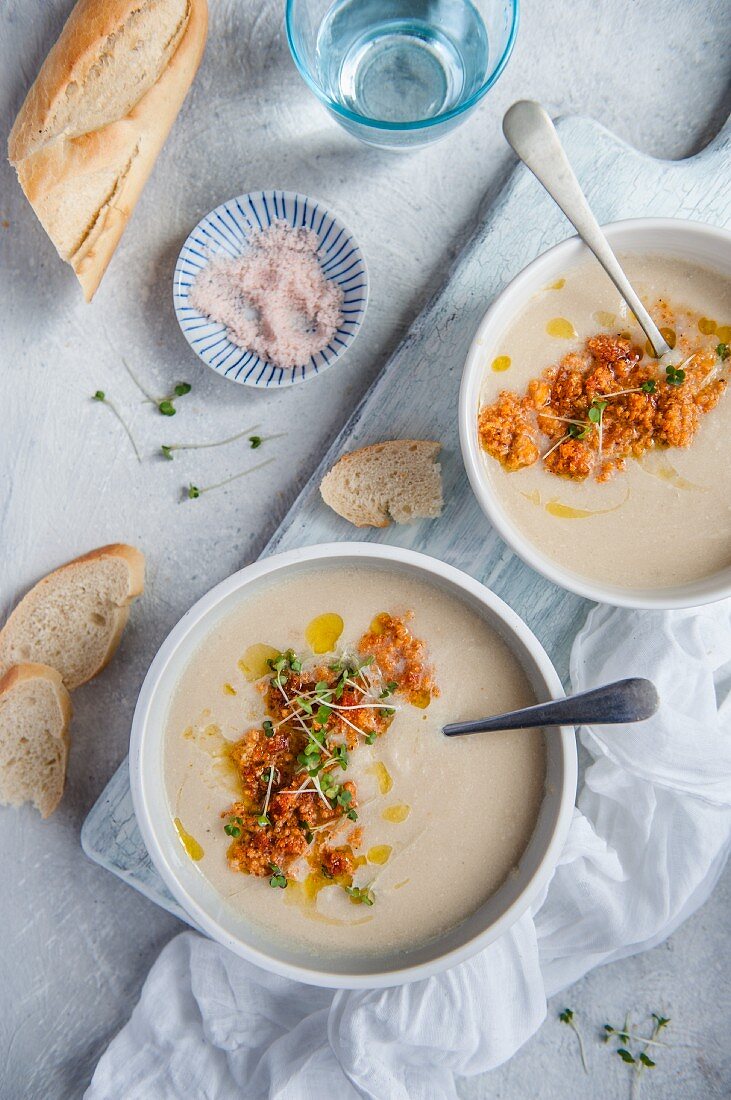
(401, 127)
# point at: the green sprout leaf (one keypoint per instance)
(649, 386)
(232, 830)
(646, 1060)
(193, 492)
(268, 728)
(167, 451)
(278, 879)
(360, 895)
(263, 820)
(182, 388)
(723, 351)
(99, 396)
(625, 1055)
(255, 441)
(567, 1017)
(596, 411)
(167, 408)
(674, 376)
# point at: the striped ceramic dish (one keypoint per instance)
(225, 231)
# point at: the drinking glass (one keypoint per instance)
(400, 73)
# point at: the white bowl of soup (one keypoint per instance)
(605, 469)
(294, 788)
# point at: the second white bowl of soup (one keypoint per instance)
(605, 469)
(293, 786)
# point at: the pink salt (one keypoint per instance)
(274, 300)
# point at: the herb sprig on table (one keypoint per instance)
(166, 406)
(255, 441)
(567, 1017)
(195, 491)
(102, 398)
(633, 1048)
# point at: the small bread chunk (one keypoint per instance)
(396, 480)
(73, 619)
(35, 711)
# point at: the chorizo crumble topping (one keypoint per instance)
(605, 404)
(293, 791)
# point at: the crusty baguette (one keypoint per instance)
(92, 125)
(396, 480)
(35, 711)
(73, 619)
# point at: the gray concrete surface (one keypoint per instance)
(76, 942)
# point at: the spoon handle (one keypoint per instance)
(531, 133)
(623, 701)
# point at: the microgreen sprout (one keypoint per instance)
(723, 351)
(596, 411)
(675, 376)
(556, 445)
(102, 398)
(255, 441)
(360, 895)
(263, 818)
(567, 1017)
(167, 449)
(194, 491)
(639, 1058)
(166, 405)
(233, 827)
(648, 386)
(278, 879)
(268, 727)
(340, 753)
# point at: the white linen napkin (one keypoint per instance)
(649, 838)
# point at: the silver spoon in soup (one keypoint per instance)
(530, 131)
(623, 701)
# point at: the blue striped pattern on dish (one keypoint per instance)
(225, 231)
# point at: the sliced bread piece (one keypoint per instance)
(398, 480)
(73, 619)
(35, 711)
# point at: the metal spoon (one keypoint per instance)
(530, 131)
(624, 701)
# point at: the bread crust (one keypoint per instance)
(131, 144)
(31, 670)
(135, 560)
(331, 480)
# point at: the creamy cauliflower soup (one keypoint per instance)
(308, 777)
(611, 462)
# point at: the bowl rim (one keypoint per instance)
(693, 594)
(288, 376)
(474, 591)
(402, 127)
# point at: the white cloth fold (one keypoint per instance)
(649, 838)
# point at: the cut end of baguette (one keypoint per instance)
(397, 480)
(35, 711)
(73, 619)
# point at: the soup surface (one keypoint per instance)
(621, 469)
(417, 830)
